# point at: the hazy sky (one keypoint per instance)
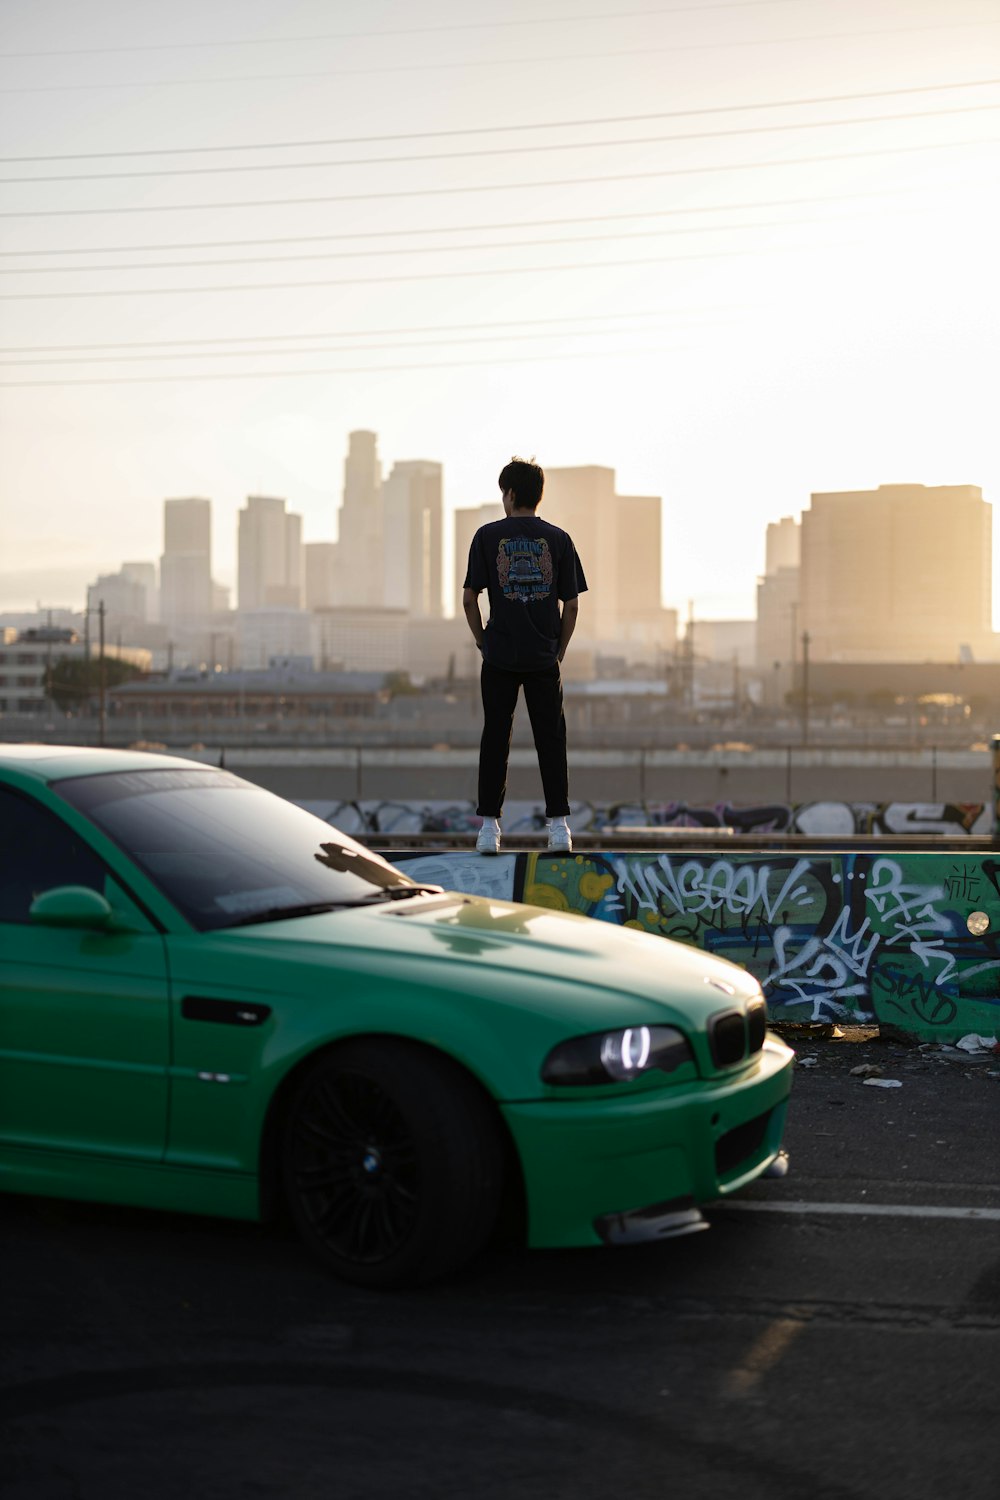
(627, 234)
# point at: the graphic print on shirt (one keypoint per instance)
(524, 568)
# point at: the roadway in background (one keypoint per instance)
(608, 776)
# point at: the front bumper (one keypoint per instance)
(590, 1160)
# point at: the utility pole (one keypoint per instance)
(101, 683)
(805, 687)
(689, 658)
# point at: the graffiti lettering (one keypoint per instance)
(904, 991)
(963, 883)
(739, 889)
(858, 936)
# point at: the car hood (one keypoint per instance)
(472, 937)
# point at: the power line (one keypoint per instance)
(378, 161)
(378, 234)
(532, 59)
(408, 135)
(451, 275)
(339, 36)
(422, 366)
(368, 254)
(499, 187)
(422, 343)
(264, 338)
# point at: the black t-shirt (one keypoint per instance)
(527, 566)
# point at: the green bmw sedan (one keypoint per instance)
(213, 1002)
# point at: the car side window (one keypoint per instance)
(38, 852)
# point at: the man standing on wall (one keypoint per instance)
(527, 568)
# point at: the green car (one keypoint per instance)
(213, 1002)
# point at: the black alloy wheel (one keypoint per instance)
(392, 1162)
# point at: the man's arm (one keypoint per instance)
(470, 603)
(570, 610)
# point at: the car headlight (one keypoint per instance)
(616, 1056)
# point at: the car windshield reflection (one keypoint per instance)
(227, 853)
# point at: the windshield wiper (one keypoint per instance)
(395, 893)
(401, 892)
(277, 913)
(314, 908)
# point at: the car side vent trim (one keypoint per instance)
(226, 1012)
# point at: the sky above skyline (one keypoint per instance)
(737, 252)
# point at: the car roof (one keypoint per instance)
(56, 762)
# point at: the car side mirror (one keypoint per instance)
(71, 906)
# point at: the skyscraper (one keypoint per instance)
(321, 575)
(359, 557)
(618, 538)
(467, 523)
(270, 560)
(144, 574)
(901, 573)
(186, 563)
(777, 610)
(413, 539)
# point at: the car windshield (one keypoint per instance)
(227, 853)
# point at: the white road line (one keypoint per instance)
(867, 1210)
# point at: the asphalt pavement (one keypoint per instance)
(836, 1334)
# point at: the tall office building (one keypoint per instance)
(124, 600)
(902, 573)
(270, 561)
(778, 610)
(144, 574)
(321, 575)
(618, 538)
(361, 534)
(413, 539)
(467, 523)
(783, 544)
(186, 563)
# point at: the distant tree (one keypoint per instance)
(398, 685)
(73, 681)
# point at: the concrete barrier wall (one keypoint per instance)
(911, 941)
(822, 819)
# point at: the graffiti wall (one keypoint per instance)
(911, 941)
(815, 819)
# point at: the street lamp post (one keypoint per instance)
(102, 707)
(805, 687)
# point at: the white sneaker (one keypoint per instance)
(488, 839)
(560, 838)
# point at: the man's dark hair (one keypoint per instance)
(526, 479)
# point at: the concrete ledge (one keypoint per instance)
(908, 940)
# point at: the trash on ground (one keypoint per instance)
(973, 1043)
(883, 1083)
(867, 1070)
(806, 1062)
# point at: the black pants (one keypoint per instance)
(543, 695)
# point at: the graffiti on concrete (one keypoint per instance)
(851, 937)
(815, 819)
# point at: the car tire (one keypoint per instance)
(392, 1163)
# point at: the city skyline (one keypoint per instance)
(822, 573)
(451, 536)
(744, 257)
